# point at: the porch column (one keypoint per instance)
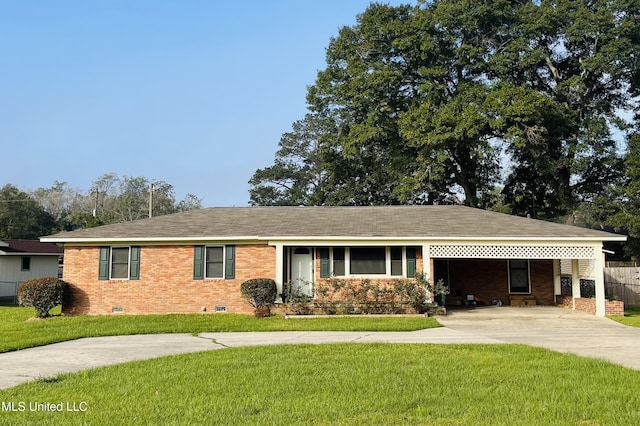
(575, 281)
(426, 261)
(279, 267)
(598, 273)
(557, 287)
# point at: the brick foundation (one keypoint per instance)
(565, 301)
(613, 307)
(610, 307)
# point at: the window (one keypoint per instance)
(119, 263)
(26, 264)
(519, 276)
(396, 261)
(367, 260)
(358, 261)
(214, 260)
(338, 261)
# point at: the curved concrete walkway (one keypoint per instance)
(552, 328)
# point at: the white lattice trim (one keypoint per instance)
(512, 252)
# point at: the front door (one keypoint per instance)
(302, 271)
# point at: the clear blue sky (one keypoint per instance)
(193, 93)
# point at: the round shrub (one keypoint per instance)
(259, 292)
(42, 293)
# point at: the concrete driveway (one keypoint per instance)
(558, 329)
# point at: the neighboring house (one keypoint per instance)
(22, 260)
(196, 260)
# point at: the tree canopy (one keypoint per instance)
(21, 217)
(447, 100)
(111, 199)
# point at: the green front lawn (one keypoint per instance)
(349, 384)
(19, 330)
(631, 316)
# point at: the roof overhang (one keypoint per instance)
(328, 240)
(20, 253)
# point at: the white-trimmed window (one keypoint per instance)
(119, 263)
(214, 261)
(519, 281)
(363, 261)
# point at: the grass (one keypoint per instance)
(631, 316)
(18, 331)
(342, 384)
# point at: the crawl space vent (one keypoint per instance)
(117, 309)
(221, 309)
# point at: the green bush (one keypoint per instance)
(42, 293)
(347, 296)
(260, 293)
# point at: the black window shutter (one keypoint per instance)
(324, 263)
(230, 262)
(134, 263)
(103, 269)
(198, 263)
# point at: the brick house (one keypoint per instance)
(195, 261)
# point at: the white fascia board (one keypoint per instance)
(2, 253)
(441, 240)
(150, 240)
(328, 240)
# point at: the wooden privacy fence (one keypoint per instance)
(623, 283)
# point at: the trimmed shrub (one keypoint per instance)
(366, 296)
(42, 293)
(260, 293)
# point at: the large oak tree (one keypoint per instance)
(451, 98)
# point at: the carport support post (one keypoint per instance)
(426, 264)
(575, 281)
(598, 272)
(279, 267)
(557, 283)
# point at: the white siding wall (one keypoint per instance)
(41, 266)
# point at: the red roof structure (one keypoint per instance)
(22, 247)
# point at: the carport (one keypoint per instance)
(519, 272)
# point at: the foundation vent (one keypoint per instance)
(116, 309)
(220, 308)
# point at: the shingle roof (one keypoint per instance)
(429, 222)
(30, 247)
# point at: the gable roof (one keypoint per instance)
(23, 247)
(381, 222)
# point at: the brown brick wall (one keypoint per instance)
(488, 279)
(610, 307)
(564, 301)
(541, 273)
(166, 283)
